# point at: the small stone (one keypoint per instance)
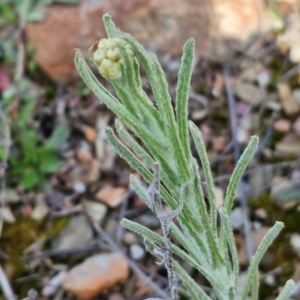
(290, 107)
(32, 294)
(296, 126)
(129, 238)
(249, 93)
(269, 279)
(90, 133)
(218, 85)
(79, 187)
(289, 145)
(295, 53)
(116, 296)
(282, 125)
(11, 196)
(295, 242)
(219, 197)
(83, 153)
(112, 196)
(77, 233)
(218, 143)
(54, 284)
(256, 225)
(40, 210)
(237, 218)
(96, 211)
(242, 136)
(136, 252)
(95, 275)
(295, 177)
(261, 213)
(263, 78)
(296, 95)
(7, 215)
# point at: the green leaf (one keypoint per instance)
(182, 94)
(264, 245)
(58, 137)
(110, 27)
(238, 173)
(29, 145)
(286, 291)
(30, 178)
(48, 162)
(231, 243)
(200, 146)
(26, 112)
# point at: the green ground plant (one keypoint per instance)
(165, 161)
(31, 158)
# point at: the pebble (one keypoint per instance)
(90, 133)
(129, 238)
(11, 196)
(40, 210)
(296, 126)
(263, 78)
(116, 296)
(112, 196)
(249, 93)
(7, 215)
(261, 213)
(237, 218)
(218, 143)
(95, 275)
(77, 233)
(96, 211)
(79, 187)
(269, 279)
(296, 95)
(53, 285)
(282, 125)
(136, 252)
(295, 242)
(219, 196)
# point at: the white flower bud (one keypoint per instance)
(110, 69)
(108, 57)
(98, 56)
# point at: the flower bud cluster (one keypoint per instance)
(108, 57)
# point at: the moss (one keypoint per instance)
(16, 238)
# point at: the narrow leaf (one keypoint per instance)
(127, 155)
(202, 209)
(255, 286)
(238, 173)
(161, 91)
(192, 287)
(110, 27)
(200, 146)
(182, 94)
(226, 224)
(157, 239)
(264, 245)
(286, 291)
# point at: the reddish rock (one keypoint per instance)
(112, 196)
(95, 275)
(150, 21)
(282, 125)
